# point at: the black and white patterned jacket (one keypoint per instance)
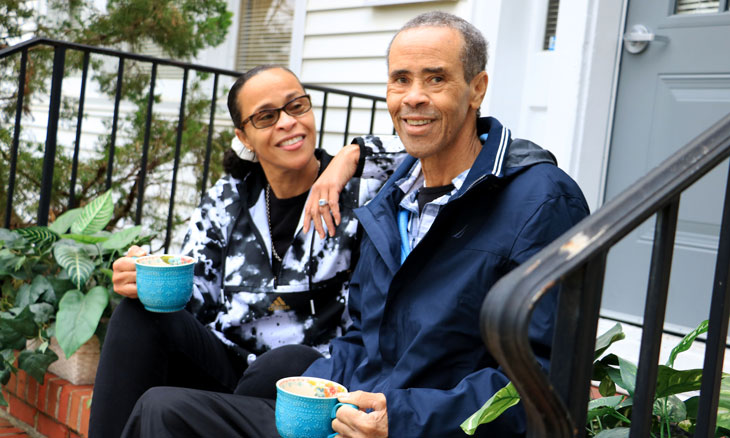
(235, 292)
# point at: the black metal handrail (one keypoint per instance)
(60, 48)
(556, 405)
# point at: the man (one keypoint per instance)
(468, 206)
(474, 204)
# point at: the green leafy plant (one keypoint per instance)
(609, 416)
(176, 29)
(56, 281)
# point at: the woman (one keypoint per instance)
(263, 278)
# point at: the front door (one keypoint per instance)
(671, 88)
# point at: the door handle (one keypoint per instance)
(636, 39)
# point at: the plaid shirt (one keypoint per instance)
(419, 224)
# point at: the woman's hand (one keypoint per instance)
(353, 423)
(124, 275)
(328, 187)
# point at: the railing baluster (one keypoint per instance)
(654, 309)
(115, 119)
(16, 138)
(176, 163)
(321, 122)
(717, 330)
(579, 304)
(209, 143)
(372, 117)
(77, 143)
(347, 120)
(145, 145)
(49, 157)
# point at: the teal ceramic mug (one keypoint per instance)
(164, 282)
(305, 407)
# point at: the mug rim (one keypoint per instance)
(331, 397)
(188, 261)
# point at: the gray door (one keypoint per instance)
(668, 93)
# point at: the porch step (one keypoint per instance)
(55, 409)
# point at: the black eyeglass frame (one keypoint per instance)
(277, 112)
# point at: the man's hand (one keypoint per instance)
(124, 275)
(328, 187)
(351, 423)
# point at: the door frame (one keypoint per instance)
(607, 21)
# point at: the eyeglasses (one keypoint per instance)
(268, 117)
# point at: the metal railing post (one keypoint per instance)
(717, 330)
(208, 144)
(77, 143)
(654, 310)
(115, 119)
(49, 157)
(176, 163)
(347, 120)
(145, 146)
(16, 138)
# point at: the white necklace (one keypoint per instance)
(268, 219)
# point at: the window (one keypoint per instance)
(551, 25)
(685, 7)
(264, 33)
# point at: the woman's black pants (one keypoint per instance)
(144, 350)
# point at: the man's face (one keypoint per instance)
(428, 98)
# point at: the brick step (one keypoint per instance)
(8, 430)
(56, 409)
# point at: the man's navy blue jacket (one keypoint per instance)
(415, 335)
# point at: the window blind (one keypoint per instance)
(551, 25)
(264, 33)
(697, 7)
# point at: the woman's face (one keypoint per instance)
(289, 143)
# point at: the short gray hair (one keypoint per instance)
(474, 52)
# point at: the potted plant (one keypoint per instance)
(55, 282)
(609, 416)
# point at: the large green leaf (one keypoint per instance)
(78, 316)
(23, 323)
(122, 239)
(628, 375)
(31, 293)
(95, 216)
(10, 262)
(502, 400)
(602, 406)
(671, 381)
(42, 313)
(5, 375)
(63, 222)
(9, 337)
(38, 235)
(670, 408)
(723, 405)
(7, 237)
(607, 387)
(75, 261)
(611, 401)
(619, 432)
(604, 341)
(36, 363)
(86, 238)
(687, 341)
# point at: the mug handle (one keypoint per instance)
(334, 414)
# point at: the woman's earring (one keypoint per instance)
(242, 151)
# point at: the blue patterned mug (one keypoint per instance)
(164, 282)
(305, 407)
